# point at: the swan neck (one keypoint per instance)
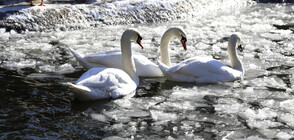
(234, 59)
(164, 43)
(127, 59)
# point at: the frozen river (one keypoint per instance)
(36, 104)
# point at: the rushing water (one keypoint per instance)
(35, 103)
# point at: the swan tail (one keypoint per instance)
(80, 58)
(80, 92)
(164, 68)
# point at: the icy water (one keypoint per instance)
(35, 103)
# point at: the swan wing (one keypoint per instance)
(112, 59)
(199, 67)
(145, 67)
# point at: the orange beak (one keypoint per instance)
(139, 42)
(184, 44)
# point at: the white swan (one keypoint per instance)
(206, 70)
(101, 83)
(144, 66)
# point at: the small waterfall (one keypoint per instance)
(77, 16)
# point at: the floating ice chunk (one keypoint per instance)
(13, 32)
(29, 63)
(99, 117)
(270, 103)
(272, 81)
(118, 127)
(137, 113)
(261, 114)
(240, 136)
(162, 116)
(252, 66)
(249, 90)
(123, 115)
(124, 103)
(262, 124)
(282, 32)
(66, 68)
(273, 37)
(47, 68)
(284, 135)
(183, 94)
(252, 94)
(157, 128)
(287, 118)
(46, 47)
(113, 138)
(202, 46)
(288, 105)
(229, 106)
(268, 133)
(44, 76)
(256, 28)
(217, 47)
(2, 30)
(132, 129)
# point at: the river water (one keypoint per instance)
(36, 104)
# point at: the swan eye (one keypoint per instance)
(184, 39)
(140, 37)
(240, 48)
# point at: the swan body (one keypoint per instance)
(102, 82)
(144, 66)
(207, 70)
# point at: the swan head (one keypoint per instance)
(134, 36)
(174, 32)
(236, 39)
(180, 34)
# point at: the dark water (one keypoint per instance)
(36, 104)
